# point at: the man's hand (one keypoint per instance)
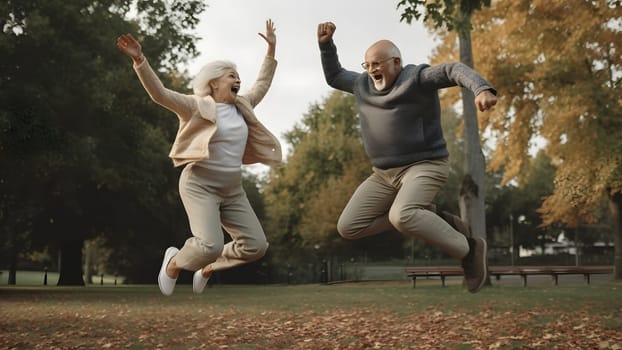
(325, 32)
(485, 100)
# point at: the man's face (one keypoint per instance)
(381, 67)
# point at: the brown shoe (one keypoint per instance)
(474, 264)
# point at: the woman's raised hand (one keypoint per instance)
(130, 46)
(269, 37)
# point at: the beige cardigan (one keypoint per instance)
(197, 118)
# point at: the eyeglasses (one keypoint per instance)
(374, 65)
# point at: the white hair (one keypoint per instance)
(209, 72)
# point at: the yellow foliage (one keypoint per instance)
(554, 64)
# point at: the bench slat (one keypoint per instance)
(498, 271)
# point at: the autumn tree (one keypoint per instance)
(304, 197)
(512, 216)
(559, 66)
(456, 15)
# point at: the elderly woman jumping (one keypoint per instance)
(218, 132)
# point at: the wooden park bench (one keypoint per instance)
(498, 271)
(553, 271)
(433, 271)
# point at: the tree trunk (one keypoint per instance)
(88, 259)
(13, 269)
(615, 210)
(71, 264)
(472, 193)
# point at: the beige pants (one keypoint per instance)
(401, 199)
(215, 200)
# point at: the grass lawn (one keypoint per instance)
(29, 278)
(37, 278)
(380, 315)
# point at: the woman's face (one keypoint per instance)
(226, 88)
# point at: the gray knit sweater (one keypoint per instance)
(401, 125)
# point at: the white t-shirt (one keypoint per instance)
(226, 147)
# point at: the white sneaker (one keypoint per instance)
(199, 282)
(167, 284)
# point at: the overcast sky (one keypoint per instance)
(228, 30)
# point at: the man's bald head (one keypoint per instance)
(383, 63)
(384, 47)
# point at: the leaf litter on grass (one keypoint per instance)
(184, 323)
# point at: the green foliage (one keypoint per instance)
(165, 29)
(447, 13)
(253, 185)
(83, 150)
(516, 204)
(305, 196)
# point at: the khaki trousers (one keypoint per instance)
(215, 200)
(402, 199)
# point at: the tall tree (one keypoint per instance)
(305, 197)
(512, 208)
(78, 136)
(321, 212)
(456, 15)
(323, 143)
(559, 64)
